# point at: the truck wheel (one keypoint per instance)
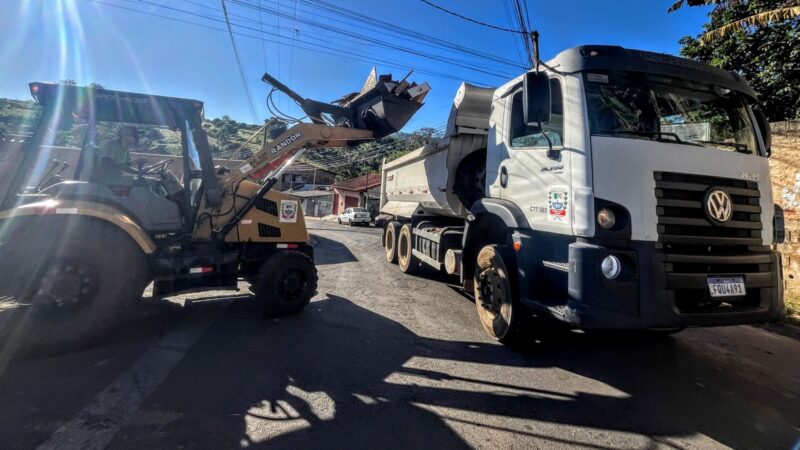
(405, 259)
(501, 315)
(285, 283)
(76, 283)
(390, 241)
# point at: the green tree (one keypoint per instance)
(766, 53)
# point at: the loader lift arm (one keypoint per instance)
(382, 107)
(267, 164)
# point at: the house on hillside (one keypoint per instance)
(364, 191)
(302, 177)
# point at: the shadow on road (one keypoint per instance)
(328, 251)
(341, 376)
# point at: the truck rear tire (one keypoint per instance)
(285, 283)
(390, 241)
(405, 243)
(76, 283)
(501, 315)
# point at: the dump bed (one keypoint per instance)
(424, 181)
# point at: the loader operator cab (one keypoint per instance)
(104, 127)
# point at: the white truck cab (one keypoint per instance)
(621, 189)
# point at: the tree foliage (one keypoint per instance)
(766, 54)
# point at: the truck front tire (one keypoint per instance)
(501, 315)
(405, 243)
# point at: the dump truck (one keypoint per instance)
(75, 250)
(610, 188)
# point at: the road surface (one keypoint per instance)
(384, 360)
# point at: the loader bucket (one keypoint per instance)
(380, 111)
(383, 106)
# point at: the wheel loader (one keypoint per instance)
(76, 250)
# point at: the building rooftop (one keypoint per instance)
(360, 184)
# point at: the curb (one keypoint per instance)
(782, 329)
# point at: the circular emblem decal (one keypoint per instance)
(719, 206)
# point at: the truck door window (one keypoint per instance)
(522, 135)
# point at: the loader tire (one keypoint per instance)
(390, 241)
(285, 283)
(75, 279)
(405, 258)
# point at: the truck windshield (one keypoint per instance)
(655, 107)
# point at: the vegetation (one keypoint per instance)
(227, 138)
(759, 39)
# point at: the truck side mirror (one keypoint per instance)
(536, 98)
(763, 127)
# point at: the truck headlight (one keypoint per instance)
(611, 267)
(606, 218)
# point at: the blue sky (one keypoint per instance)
(92, 41)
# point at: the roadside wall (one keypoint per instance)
(785, 171)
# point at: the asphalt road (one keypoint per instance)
(384, 360)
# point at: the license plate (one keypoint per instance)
(726, 287)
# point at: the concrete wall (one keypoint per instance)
(785, 173)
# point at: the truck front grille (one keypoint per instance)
(696, 248)
(681, 211)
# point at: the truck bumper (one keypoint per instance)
(669, 290)
(657, 288)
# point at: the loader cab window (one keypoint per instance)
(526, 136)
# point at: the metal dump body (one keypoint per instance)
(422, 181)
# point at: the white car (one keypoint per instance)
(352, 216)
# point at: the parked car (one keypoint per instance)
(352, 216)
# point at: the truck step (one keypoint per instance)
(560, 266)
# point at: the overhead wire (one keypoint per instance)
(294, 35)
(353, 17)
(510, 23)
(242, 73)
(469, 19)
(521, 29)
(382, 43)
(312, 47)
(415, 35)
(361, 38)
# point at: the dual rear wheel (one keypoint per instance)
(398, 243)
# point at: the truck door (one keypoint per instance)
(536, 179)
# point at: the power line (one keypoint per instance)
(312, 46)
(361, 38)
(394, 46)
(510, 20)
(468, 19)
(245, 84)
(263, 44)
(426, 39)
(382, 26)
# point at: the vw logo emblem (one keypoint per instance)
(719, 206)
